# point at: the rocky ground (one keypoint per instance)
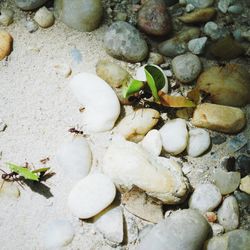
(138, 178)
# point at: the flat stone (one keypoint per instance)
(29, 4)
(219, 118)
(227, 182)
(245, 184)
(183, 229)
(91, 195)
(206, 197)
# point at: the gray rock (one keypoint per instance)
(30, 4)
(196, 46)
(223, 5)
(242, 198)
(78, 13)
(236, 143)
(200, 4)
(186, 67)
(206, 197)
(243, 165)
(31, 26)
(184, 229)
(189, 8)
(235, 9)
(123, 41)
(6, 17)
(227, 182)
(228, 214)
(218, 139)
(212, 30)
(234, 240)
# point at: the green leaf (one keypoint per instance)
(22, 171)
(152, 85)
(40, 170)
(133, 87)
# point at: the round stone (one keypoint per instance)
(186, 67)
(44, 17)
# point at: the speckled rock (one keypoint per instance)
(186, 67)
(219, 118)
(153, 18)
(183, 229)
(6, 17)
(196, 46)
(123, 41)
(29, 4)
(44, 17)
(6, 41)
(82, 15)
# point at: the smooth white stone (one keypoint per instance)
(75, 158)
(102, 106)
(91, 195)
(174, 136)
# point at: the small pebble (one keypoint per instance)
(155, 58)
(245, 184)
(223, 5)
(200, 3)
(211, 29)
(196, 46)
(235, 9)
(31, 26)
(228, 163)
(63, 69)
(217, 229)
(189, 7)
(218, 139)
(211, 216)
(44, 17)
(6, 17)
(236, 143)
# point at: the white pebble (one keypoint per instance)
(91, 195)
(31, 26)
(44, 17)
(174, 136)
(62, 69)
(198, 143)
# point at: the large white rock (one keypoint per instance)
(198, 143)
(152, 142)
(91, 195)
(102, 106)
(128, 164)
(75, 158)
(174, 135)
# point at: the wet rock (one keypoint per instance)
(184, 229)
(226, 48)
(245, 184)
(228, 85)
(228, 214)
(6, 41)
(139, 204)
(212, 30)
(200, 4)
(198, 16)
(91, 195)
(31, 26)
(6, 17)
(155, 58)
(243, 165)
(198, 143)
(8, 190)
(57, 234)
(186, 67)
(110, 224)
(206, 197)
(218, 139)
(78, 14)
(153, 18)
(123, 41)
(227, 182)
(174, 136)
(219, 118)
(44, 17)
(135, 125)
(234, 240)
(196, 46)
(29, 4)
(178, 44)
(112, 73)
(129, 165)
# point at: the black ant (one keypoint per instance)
(138, 100)
(11, 177)
(45, 160)
(76, 131)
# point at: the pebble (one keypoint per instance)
(128, 165)
(174, 135)
(99, 116)
(206, 197)
(200, 4)
(235, 9)
(234, 240)
(29, 4)
(110, 224)
(228, 85)
(198, 143)
(223, 5)
(245, 184)
(211, 216)
(189, 7)
(63, 69)
(196, 46)
(198, 16)
(6, 41)
(112, 73)
(155, 58)
(153, 18)
(243, 199)
(217, 229)
(243, 165)
(31, 26)
(8, 190)
(6, 17)
(91, 195)
(78, 13)
(212, 30)
(136, 125)
(227, 182)
(75, 158)
(183, 229)
(152, 142)
(186, 67)
(218, 139)
(124, 42)
(44, 17)
(57, 234)
(228, 163)
(228, 214)
(3, 125)
(178, 44)
(219, 118)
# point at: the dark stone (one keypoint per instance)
(243, 165)
(218, 139)
(228, 164)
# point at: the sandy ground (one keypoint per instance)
(38, 108)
